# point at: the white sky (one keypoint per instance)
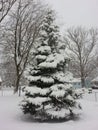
(76, 12)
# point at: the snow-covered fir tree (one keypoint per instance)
(49, 96)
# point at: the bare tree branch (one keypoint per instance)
(82, 44)
(23, 32)
(5, 6)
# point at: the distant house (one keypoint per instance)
(76, 82)
(94, 83)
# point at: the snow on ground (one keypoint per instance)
(11, 117)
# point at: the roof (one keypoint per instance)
(96, 79)
(75, 80)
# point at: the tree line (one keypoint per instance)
(20, 28)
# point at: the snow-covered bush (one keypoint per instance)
(49, 96)
(78, 93)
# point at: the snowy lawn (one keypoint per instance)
(11, 117)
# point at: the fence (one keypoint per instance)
(86, 96)
(6, 91)
(91, 96)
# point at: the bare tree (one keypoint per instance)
(81, 45)
(23, 32)
(5, 6)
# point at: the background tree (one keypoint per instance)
(8, 73)
(5, 6)
(47, 97)
(81, 45)
(22, 32)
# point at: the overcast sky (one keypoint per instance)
(76, 12)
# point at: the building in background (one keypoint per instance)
(94, 83)
(76, 82)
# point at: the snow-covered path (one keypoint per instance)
(11, 117)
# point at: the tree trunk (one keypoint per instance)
(17, 84)
(82, 82)
(82, 74)
(19, 91)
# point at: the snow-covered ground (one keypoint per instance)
(11, 117)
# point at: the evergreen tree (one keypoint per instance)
(49, 95)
